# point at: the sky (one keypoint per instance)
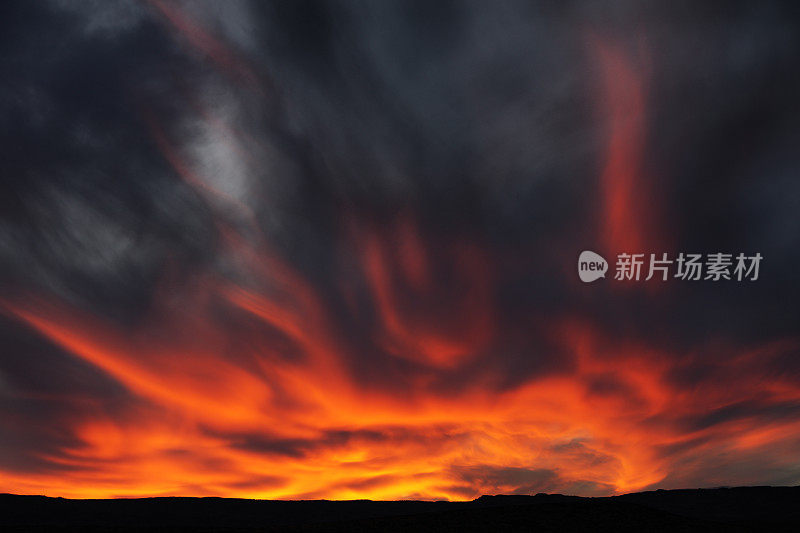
(319, 249)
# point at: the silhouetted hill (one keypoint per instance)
(723, 509)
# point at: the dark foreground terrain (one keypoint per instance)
(723, 509)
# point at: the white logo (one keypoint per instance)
(591, 266)
(686, 266)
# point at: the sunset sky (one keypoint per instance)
(318, 249)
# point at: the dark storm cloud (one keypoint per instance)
(90, 210)
(480, 119)
(486, 118)
(716, 466)
(43, 392)
(340, 439)
(299, 447)
(761, 410)
(507, 479)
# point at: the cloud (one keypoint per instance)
(327, 250)
(505, 480)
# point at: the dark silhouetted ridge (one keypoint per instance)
(721, 509)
